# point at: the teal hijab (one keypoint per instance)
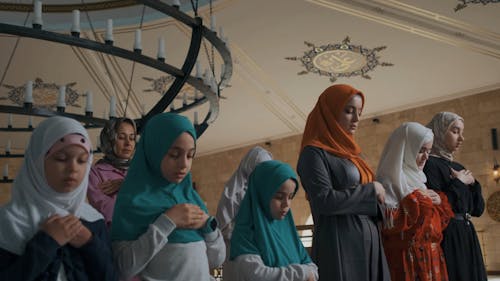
(255, 231)
(146, 194)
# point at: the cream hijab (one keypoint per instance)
(33, 200)
(397, 170)
(439, 125)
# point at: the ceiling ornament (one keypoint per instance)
(44, 94)
(464, 3)
(340, 60)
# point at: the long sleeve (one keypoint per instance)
(103, 203)
(216, 249)
(406, 216)
(97, 255)
(226, 212)
(328, 199)
(251, 267)
(39, 253)
(132, 257)
(477, 203)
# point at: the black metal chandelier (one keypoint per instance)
(206, 84)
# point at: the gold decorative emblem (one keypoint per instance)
(340, 60)
(44, 94)
(493, 206)
(466, 2)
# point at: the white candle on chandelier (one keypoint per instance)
(30, 122)
(8, 147)
(161, 48)
(213, 26)
(143, 109)
(61, 97)
(221, 32)
(184, 99)
(88, 105)
(207, 77)
(76, 21)
(9, 120)
(176, 3)
(137, 42)
(196, 118)
(6, 171)
(28, 93)
(109, 30)
(198, 69)
(37, 10)
(112, 107)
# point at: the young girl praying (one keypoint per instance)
(48, 230)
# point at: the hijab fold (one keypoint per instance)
(398, 171)
(323, 131)
(439, 125)
(33, 200)
(256, 231)
(145, 194)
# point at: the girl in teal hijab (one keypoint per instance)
(160, 228)
(265, 244)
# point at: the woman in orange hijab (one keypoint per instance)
(341, 190)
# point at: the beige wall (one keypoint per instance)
(481, 113)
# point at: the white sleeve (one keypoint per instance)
(251, 267)
(131, 257)
(216, 249)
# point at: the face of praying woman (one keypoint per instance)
(125, 141)
(348, 118)
(65, 168)
(454, 138)
(176, 164)
(423, 154)
(282, 200)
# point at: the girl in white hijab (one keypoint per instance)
(235, 190)
(48, 231)
(414, 215)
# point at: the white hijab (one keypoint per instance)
(236, 187)
(397, 170)
(33, 200)
(439, 125)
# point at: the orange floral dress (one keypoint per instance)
(412, 244)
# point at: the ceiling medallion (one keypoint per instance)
(44, 94)
(340, 60)
(466, 2)
(162, 84)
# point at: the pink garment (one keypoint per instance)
(105, 204)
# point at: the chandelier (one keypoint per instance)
(44, 99)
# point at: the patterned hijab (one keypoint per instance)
(108, 137)
(397, 170)
(439, 125)
(146, 194)
(256, 231)
(322, 129)
(33, 200)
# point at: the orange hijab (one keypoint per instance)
(323, 131)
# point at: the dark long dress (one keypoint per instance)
(461, 248)
(346, 241)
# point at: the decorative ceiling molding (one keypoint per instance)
(421, 22)
(340, 60)
(268, 92)
(465, 3)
